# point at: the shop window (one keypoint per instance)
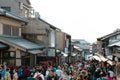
(23, 54)
(9, 61)
(12, 54)
(9, 57)
(25, 58)
(8, 54)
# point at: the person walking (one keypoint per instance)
(3, 71)
(7, 74)
(31, 77)
(15, 75)
(38, 75)
(19, 72)
(52, 75)
(58, 71)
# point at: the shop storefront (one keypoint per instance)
(20, 51)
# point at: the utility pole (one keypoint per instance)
(47, 41)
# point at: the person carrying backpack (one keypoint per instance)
(38, 75)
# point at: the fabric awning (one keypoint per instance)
(64, 54)
(73, 54)
(91, 56)
(20, 43)
(114, 44)
(103, 59)
(97, 58)
(110, 62)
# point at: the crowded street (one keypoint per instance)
(80, 70)
(59, 40)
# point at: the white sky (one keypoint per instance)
(83, 19)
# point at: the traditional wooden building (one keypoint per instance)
(13, 48)
(109, 45)
(19, 7)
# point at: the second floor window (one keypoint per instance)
(10, 30)
(6, 29)
(15, 31)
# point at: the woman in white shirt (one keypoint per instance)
(7, 75)
(15, 75)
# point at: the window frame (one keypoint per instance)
(13, 30)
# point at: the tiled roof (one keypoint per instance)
(20, 43)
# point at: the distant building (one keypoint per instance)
(13, 48)
(63, 44)
(82, 46)
(42, 33)
(93, 48)
(109, 45)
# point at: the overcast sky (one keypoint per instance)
(83, 19)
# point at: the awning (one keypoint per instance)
(58, 51)
(35, 51)
(114, 44)
(117, 55)
(103, 58)
(78, 48)
(73, 54)
(110, 62)
(64, 54)
(97, 58)
(20, 43)
(91, 56)
(2, 46)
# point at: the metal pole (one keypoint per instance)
(35, 59)
(1, 56)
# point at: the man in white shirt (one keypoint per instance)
(58, 71)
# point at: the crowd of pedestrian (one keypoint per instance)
(81, 70)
